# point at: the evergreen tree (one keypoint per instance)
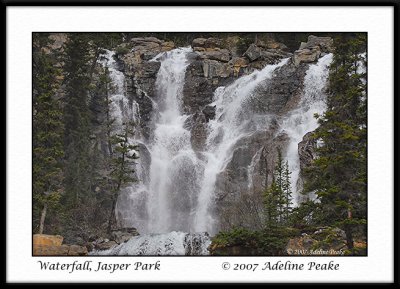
(47, 132)
(121, 168)
(338, 175)
(278, 197)
(77, 119)
(287, 192)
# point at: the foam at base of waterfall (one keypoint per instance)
(173, 243)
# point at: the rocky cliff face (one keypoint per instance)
(219, 62)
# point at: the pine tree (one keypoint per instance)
(287, 192)
(77, 119)
(47, 132)
(338, 175)
(121, 169)
(271, 205)
(278, 197)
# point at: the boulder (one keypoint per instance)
(222, 55)
(306, 55)
(238, 63)
(231, 43)
(213, 43)
(167, 46)
(50, 250)
(209, 112)
(207, 44)
(141, 40)
(213, 68)
(145, 48)
(302, 45)
(50, 245)
(105, 245)
(47, 240)
(271, 44)
(307, 150)
(75, 250)
(123, 235)
(253, 52)
(198, 42)
(324, 43)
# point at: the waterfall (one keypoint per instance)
(301, 120)
(174, 165)
(232, 122)
(122, 109)
(172, 204)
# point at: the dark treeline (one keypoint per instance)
(76, 181)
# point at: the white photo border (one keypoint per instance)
(21, 266)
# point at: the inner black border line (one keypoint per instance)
(245, 256)
(336, 3)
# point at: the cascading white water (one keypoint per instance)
(175, 192)
(172, 157)
(232, 122)
(301, 120)
(121, 108)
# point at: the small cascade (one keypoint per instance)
(301, 120)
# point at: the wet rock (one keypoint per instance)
(273, 56)
(123, 235)
(201, 79)
(274, 95)
(149, 69)
(105, 245)
(253, 52)
(209, 112)
(307, 150)
(213, 68)
(75, 250)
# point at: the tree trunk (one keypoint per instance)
(112, 215)
(349, 237)
(349, 232)
(42, 218)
